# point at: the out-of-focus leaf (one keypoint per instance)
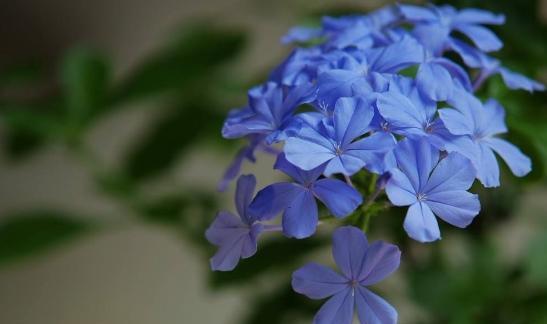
(171, 135)
(21, 74)
(536, 260)
(85, 79)
(26, 234)
(275, 255)
(193, 55)
(459, 294)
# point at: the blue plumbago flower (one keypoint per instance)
(403, 110)
(361, 265)
(361, 70)
(482, 123)
(434, 25)
(269, 111)
(337, 141)
(490, 66)
(431, 187)
(235, 236)
(297, 200)
(376, 88)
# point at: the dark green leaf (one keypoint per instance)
(85, 78)
(26, 234)
(171, 136)
(193, 55)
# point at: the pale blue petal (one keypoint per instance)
(417, 13)
(317, 281)
(335, 84)
(372, 309)
(351, 119)
(245, 189)
(454, 172)
(488, 171)
(345, 164)
(416, 159)
(483, 38)
(420, 223)
(515, 80)
(337, 310)
(381, 260)
(307, 154)
(492, 121)
(397, 56)
(340, 198)
(456, 207)
(478, 16)
(349, 246)
(300, 217)
(273, 199)
(434, 81)
(519, 163)
(301, 176)
(399, 189)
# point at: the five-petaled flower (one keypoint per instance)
(362, 265)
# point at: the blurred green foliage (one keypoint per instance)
(188, 84)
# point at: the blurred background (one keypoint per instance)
(110, 116)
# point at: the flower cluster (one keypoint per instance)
(390, 93)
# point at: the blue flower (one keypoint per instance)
(334, 141)
(235, 236)
(490, 66)
(431, 187)
(405, 111)
(361, 265)
(269, 111)
(482, 123)
(361, 69)
(434, 25)
(297, 200)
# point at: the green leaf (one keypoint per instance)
(85, 78)
(536, 263)
(195, 54)
(275, 255)
(26, 234)
(171, 136)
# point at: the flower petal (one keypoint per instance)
(351, 119)
(478, 16)
(337, 310)
(488, 170)
(300, 218)
(349, 246)
(519, 163)
(482, 37)
(317, 281)
(434, 81)
(457, 207)
(381, 260)
(340, 198)
(273, 199)
(372, 309)
(244, 194)
(515, 80)
(399, 189)
(420, 223)
(454, 172)
(416, 159)
(301, 176)
(226, 227)
(309, 150)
